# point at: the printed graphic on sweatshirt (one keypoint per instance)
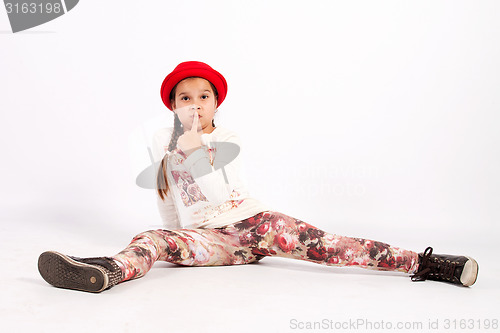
(211, 212)
(190, 191)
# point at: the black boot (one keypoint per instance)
(87, 274)
(442, 267)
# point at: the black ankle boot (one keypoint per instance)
(442, 267)
(86, 274)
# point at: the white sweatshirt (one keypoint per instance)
(205, 189)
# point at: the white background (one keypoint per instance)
(368, 119)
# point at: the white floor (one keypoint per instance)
(275, 295)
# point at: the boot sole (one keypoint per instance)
(469, 274)
(61, 271)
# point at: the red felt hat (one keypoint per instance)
(193, 68)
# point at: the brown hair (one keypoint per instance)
(161, 176)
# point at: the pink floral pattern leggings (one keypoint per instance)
(265, 234)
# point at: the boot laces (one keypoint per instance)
(439, 268)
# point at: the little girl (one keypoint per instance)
(211, 219)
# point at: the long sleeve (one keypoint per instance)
(168, 212)
(211, 179)
(166, 208)
(205, 188)
(161, 139)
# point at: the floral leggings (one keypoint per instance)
(265, 234)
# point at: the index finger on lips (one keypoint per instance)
(194, 126)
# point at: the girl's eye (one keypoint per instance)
(204, 97)
(184, 98)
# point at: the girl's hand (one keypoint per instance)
(191, 140)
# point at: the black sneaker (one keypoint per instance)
(86, 274)
(442, 267)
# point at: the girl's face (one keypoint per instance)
(195, 94)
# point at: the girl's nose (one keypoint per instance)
(195, 107)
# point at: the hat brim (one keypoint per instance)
(178, 75)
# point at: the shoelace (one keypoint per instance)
(438, 268)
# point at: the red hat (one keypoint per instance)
(193, 68)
